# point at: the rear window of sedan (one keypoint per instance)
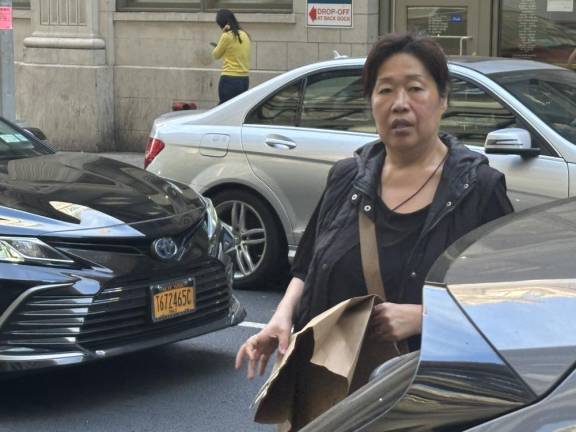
(326, 100)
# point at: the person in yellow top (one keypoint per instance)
(234, 48)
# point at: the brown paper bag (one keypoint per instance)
(324, 362)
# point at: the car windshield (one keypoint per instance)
(15, 144)
(550, 94)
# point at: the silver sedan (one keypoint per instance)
(263, 156)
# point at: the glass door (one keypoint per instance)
(454, 24)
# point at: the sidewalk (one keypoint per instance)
(133, 158)
(136, 159)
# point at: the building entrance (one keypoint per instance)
(455, 24)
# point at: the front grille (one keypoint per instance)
(116, 315)
(132, 249)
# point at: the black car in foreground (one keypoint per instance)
(498, 347)
(99, 258)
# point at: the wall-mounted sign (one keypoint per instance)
(560, 6)
(5, 18)
(330, 13)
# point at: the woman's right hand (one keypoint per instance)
(276, 334)
(261, 346)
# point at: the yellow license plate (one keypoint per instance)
(172, 300)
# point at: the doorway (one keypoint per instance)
(462, 27)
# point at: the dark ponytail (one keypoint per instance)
(225, 17)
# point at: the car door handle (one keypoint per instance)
(279, 143)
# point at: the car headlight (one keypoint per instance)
(220, 234)
(212, 220)
(213, 228)
(32, 250)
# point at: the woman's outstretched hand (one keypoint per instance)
(393, 322)
(276, 334)
(261, 346)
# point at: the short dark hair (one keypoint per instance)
(424, 48)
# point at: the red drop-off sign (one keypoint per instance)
(5, 18)
(337, 14)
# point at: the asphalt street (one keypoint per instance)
(183, 387)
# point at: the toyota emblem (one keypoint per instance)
(165, 248)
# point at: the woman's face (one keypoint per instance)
(406, 104)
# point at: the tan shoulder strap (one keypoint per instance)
(371, 268)
(369, 256)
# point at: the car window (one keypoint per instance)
(472, 113)
(550, 94)
(280, 109)
(15, 143)
(335, 100)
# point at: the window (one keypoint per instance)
(538, 30)
(164, 6)
(448, 25)
(332, 100)
(14, 144)
(335, 100)
(250, 5)
(280, 110)
(550, 94)
(206, 5)
(21, 4)
(472, 113)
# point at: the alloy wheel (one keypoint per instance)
(250, 235)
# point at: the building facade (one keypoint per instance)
(93, 74)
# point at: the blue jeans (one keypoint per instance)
(231, 86)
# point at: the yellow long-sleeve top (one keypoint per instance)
(237, 56)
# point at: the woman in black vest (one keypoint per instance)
(422, 189)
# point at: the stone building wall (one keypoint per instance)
(94, 79)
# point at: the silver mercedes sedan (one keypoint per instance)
(263, 156)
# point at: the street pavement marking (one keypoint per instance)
(252, 324)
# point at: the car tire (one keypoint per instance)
(261, 252)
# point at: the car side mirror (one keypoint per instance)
(37, 133)
(510, 141)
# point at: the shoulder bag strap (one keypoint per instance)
(371, 265)
(369, 256)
